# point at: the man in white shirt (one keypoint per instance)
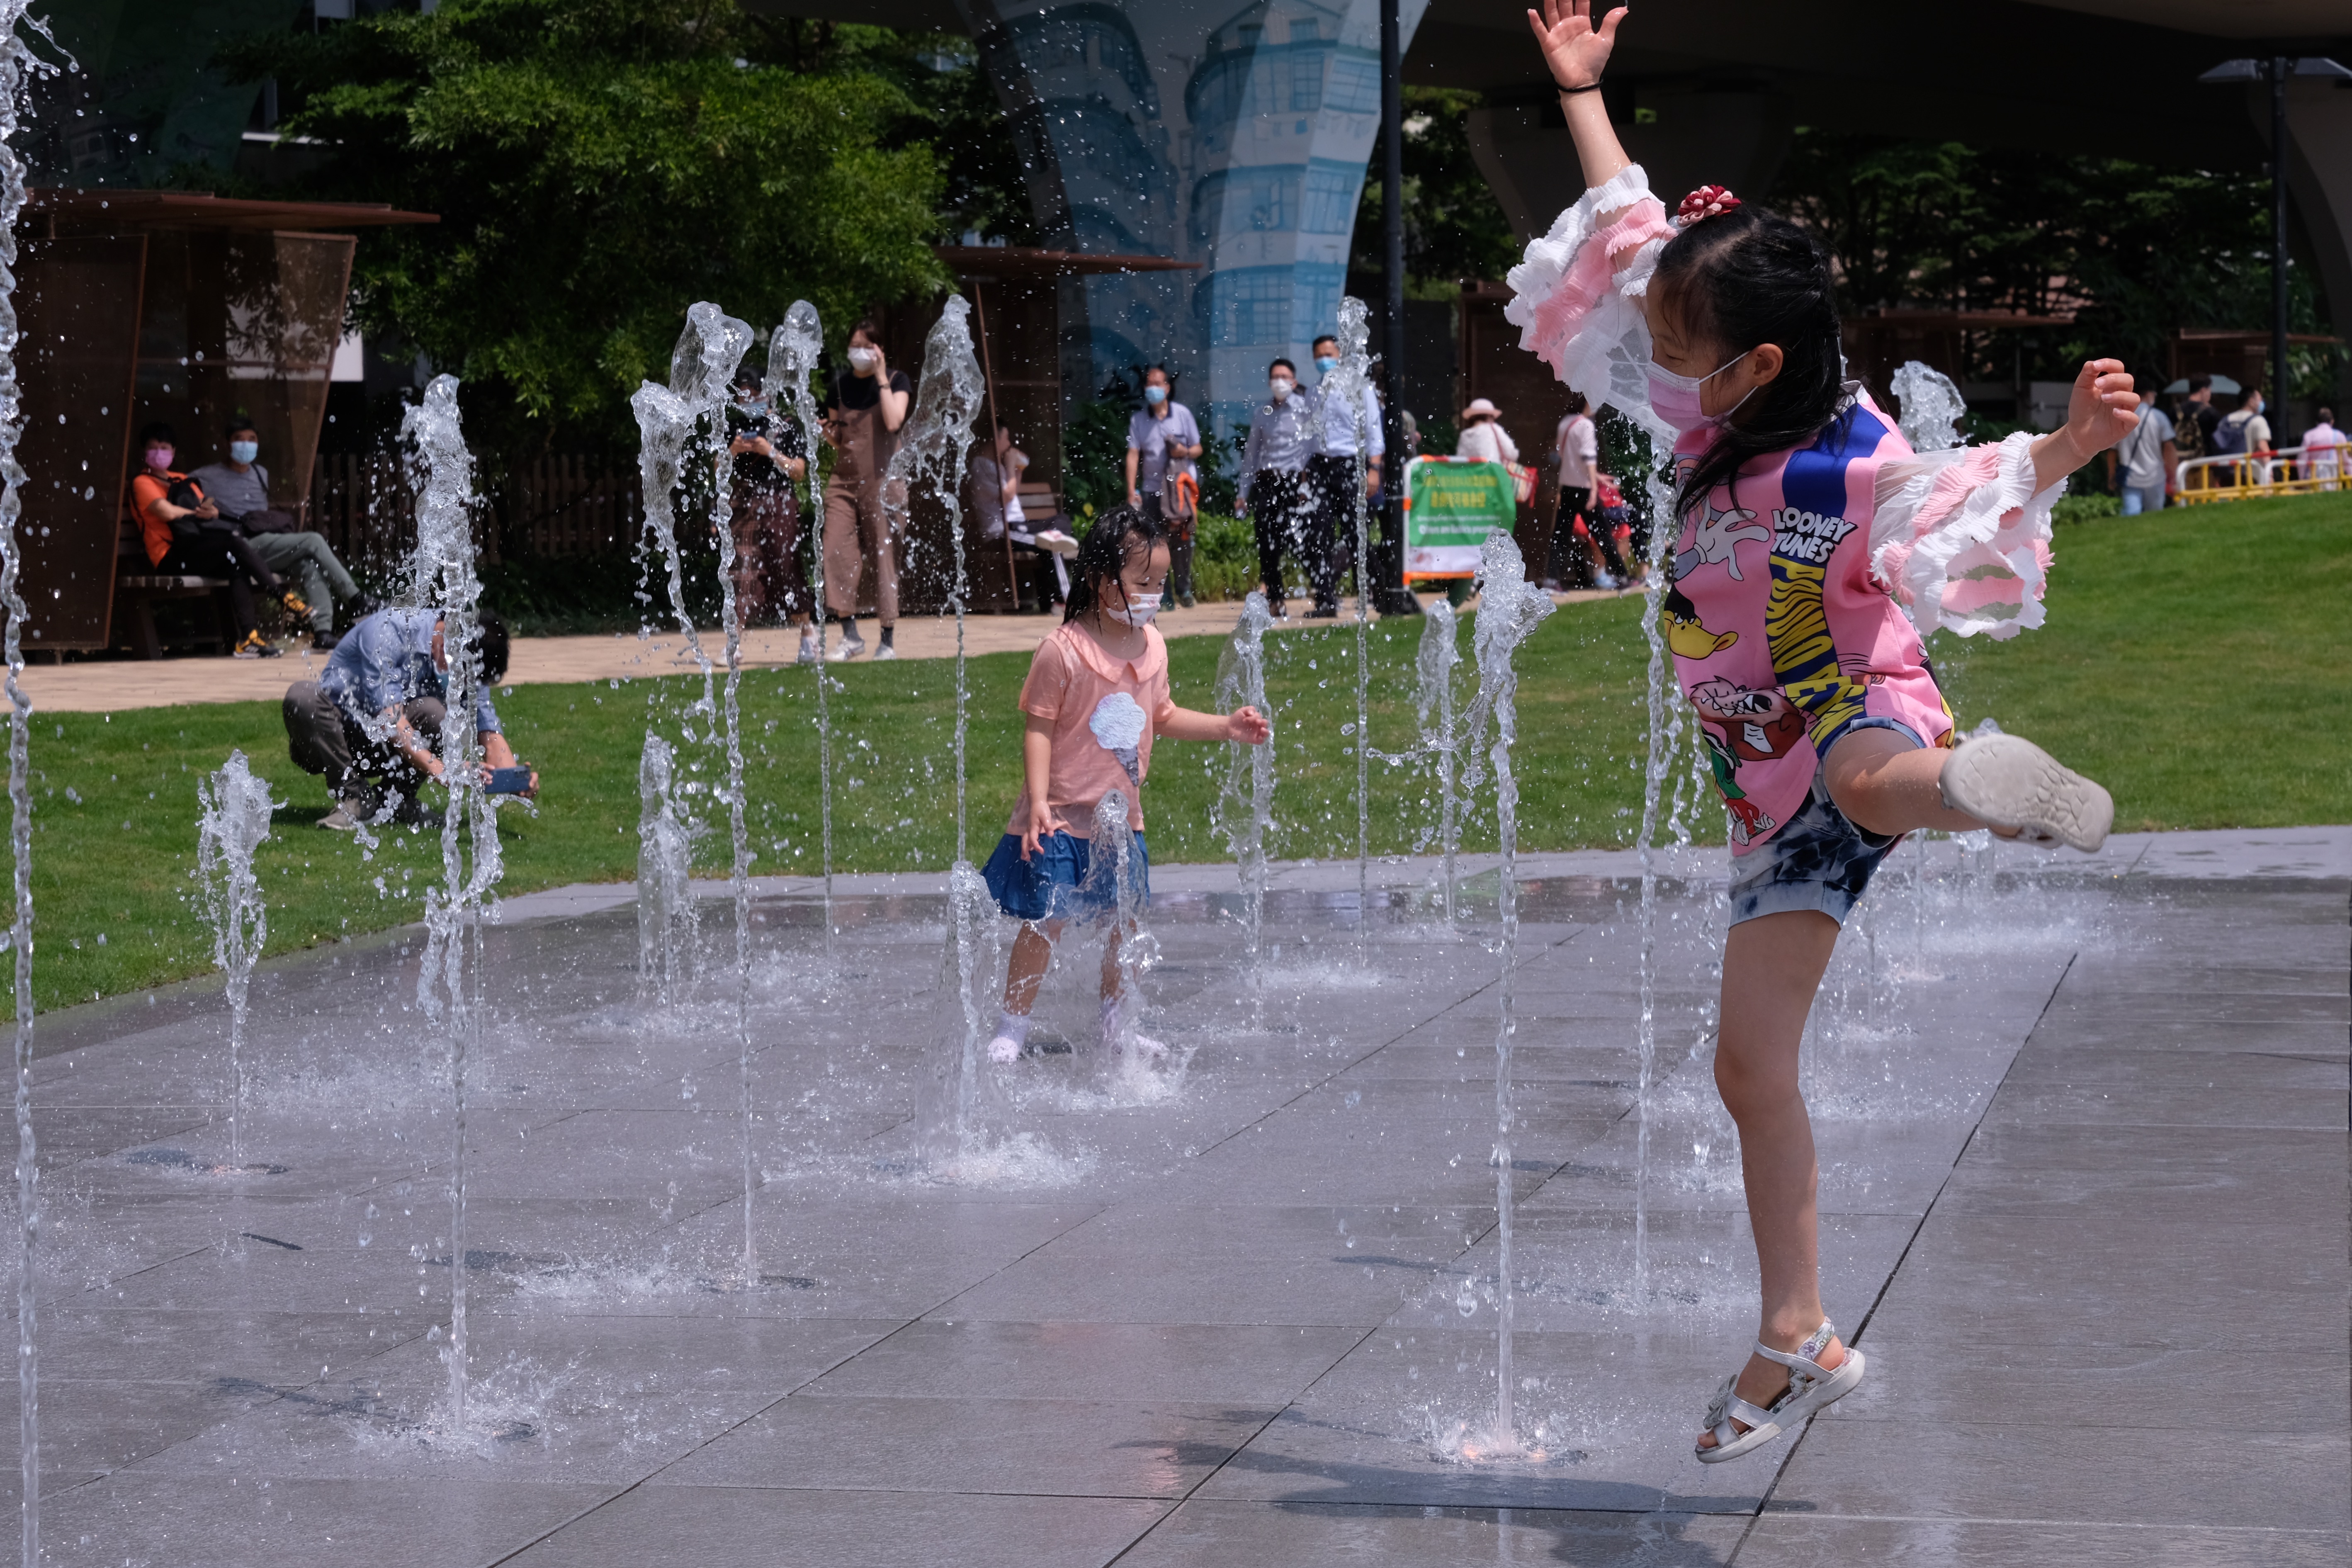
(1273, 483)
(2147, 457)
(1331, 484)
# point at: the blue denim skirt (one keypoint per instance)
(1053, 884)
(1818, 860)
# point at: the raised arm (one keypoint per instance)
(1576, 51)
(2103, 410)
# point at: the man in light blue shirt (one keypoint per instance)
(1273, 484)
(1331, 483)
(376, 711)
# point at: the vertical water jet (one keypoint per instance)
(1435, 661)
(235, 820)
(793, 352)
(1243, 810)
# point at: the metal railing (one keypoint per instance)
(2243, 476)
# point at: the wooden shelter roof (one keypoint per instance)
(75, 211)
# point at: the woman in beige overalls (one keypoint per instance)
(865, 412)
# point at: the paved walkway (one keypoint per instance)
(2082, 1127)
(111, 686)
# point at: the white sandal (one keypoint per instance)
(1812, 1386)
(2007, 781)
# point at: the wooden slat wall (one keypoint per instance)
(568, 504)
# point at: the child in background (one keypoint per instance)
(1096, 697)
(1802, 515)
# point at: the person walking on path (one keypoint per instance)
(1483, 438)
(2322, 450)
(1273, 488)
(767, 457)
(2246, 434)
(1163, 441)
(1332, 488)
(239, 488)
(1801, 515)
(2146, 459)
(1576, 449)
(864, 413)
(184, 535)
(1095, 699)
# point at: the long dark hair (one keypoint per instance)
(1104, 553)
(1749, 277)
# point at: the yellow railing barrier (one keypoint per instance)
(2243, 476)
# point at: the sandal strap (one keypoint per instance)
(1747, 1415)
(1800, 1361)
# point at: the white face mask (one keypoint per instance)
(1140, 609)
(1280, 387)
(243, 451)
(862, 359)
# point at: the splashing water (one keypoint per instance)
(969, 968)
(1660, 762)
(18, 68)
(1509, 609)
(1244, 812)
(442, 574)
(1347, 383)
(792, 351)
(682, 427)
(1932, 407)
(937, 441)
(1439, 653)
(665, 879)
(1133, 950)
(237, 807)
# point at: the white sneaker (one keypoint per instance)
(885, 651)
(2007, 781)
(1003, 1050)
(809, 653)
(847, 649)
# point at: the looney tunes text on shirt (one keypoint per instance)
(1807, 536)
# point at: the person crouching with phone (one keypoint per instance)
(372, 721)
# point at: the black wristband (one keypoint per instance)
(1587, 87)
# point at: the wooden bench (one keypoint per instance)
(138, 586)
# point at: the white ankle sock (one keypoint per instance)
(1014, 1027)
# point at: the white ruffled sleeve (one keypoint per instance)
(1574, 296)
(1961, 538)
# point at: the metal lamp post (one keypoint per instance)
(2275, 70)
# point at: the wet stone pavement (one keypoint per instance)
(2084, 1200)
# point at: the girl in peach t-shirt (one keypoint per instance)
(1096, 697)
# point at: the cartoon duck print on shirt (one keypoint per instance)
(1685, 635)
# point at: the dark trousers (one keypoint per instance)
(223, 552)
(1283, 514)
(322, 738)
(1337, 488)
(770, 583)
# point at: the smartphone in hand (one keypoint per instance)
(507, 781)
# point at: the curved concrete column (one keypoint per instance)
(1232, 135)
(2319, 182)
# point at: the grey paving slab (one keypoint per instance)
(1792, 1540)
(1240, 1308)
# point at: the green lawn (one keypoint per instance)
(2127, 682)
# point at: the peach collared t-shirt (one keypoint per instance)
(1104, 710)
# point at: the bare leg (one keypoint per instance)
(1885, 784)
(1772, 967)
(1032, 951)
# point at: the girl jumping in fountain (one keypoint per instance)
(1807, 526)
(1096, 697)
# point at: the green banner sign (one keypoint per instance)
(1451, 504)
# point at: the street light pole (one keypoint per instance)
(1391, 597)
(2279, 66)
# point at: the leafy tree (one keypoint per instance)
(598, 165)
(2133, 251)
(1453, 228)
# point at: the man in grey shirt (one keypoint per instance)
(1273, 467)
(240, 487)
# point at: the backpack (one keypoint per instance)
(2230, 435)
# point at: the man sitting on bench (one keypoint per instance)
(238, 487)
(185, 536)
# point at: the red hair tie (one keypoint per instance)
(1707, 201)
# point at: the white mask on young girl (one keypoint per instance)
(1678, 398)
(1140, 609)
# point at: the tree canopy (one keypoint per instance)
(598, 165)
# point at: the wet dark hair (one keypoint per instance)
(1745, 278)
(158, 431)
(1104, 553)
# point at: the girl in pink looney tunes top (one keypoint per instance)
(1807, 527)
(1096, 697)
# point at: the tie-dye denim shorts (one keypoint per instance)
(1818, 860)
